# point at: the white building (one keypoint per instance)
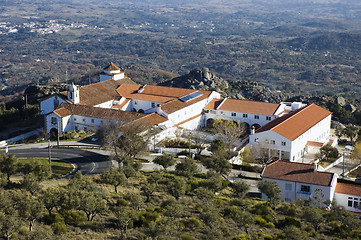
(349, 196)
(300, 181)
(293, 134)
(111, 72)
(286, 128)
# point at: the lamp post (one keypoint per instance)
(49, 146)
(57, 134)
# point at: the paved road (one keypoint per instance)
(88, 162)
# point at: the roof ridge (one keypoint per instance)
(295, 113)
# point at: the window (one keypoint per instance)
(153, 105)
(245, 115)
(288, 186)
(212, 111)
(305, 188)
(92, 120)
(287, 199)
(83, 119)
(349, 204)
(256, 117)
(53, 120)
(222, 113)
(273, 142)
(135, 103)
(74, 118)
(85, 129)
(206, 111)
(283, 143)
(268, 118)
(355, 203)
(234, 114)
(76, 128)
(256, 140)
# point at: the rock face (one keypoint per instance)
(34, 93)
(340, 101)
(201, 79)
(351, 108)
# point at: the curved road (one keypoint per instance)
(86, 161)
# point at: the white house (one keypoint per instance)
(300, 181)
(349, 196)
(292, 134)
(111, 72)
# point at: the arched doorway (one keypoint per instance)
(53, 133)
(256, 126)
(210, 122)
(141, 111)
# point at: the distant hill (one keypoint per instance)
(329, 42)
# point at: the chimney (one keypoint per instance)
(253, 130)
(315, 165)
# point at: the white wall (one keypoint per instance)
(145, 105)
(273, 141)
(227, 115)
(107, 104)
(105, 77)
(295, 192)
(318, 133)
(343, 200)
(47, 105)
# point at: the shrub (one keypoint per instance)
(192, 223)
(260, 220)
(122, 202)
(290, 221)
(59, 227)
(73, 217)
(200, 175)
(185, 237)
(241, 237)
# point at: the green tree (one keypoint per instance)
(214, 182)
(351, 132)
(9, 225)
(91, 204)
(187, 167)
(31, 183)
(314, 216)
(327, 152)
(165, 160)
(240, 188)
(30, 208)
(114, 177)
(51, 198)
(41, 171)
(356, 153)
(271, 190)
(218, 163)
(9, 165)
(177, 187)
(148, 190)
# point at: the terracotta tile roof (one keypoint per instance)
(297, 172)
(297, 122)
(122, 104)
(145, 122)
(96, 112)
(314, 144)
(111, 67)
(246, 106)
(212, 105)
(176, 104)
(152, 93)
(100, 92)
(348, 188)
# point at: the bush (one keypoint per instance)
(185, 237)
(122, 202)
(146, 217)
(290, 221)
(249, 168)
(260, 220)
(59, 227)
(192, 223)
(73, 217)
(241, 237)
(200, 175)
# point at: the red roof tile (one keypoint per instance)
(96, 112)
(296, 172)
(111, 67)
(297, 122)
(238, 105)
(348, 188)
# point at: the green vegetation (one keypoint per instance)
(58, 168)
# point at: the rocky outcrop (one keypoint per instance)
(35, 93)
(201, 79)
